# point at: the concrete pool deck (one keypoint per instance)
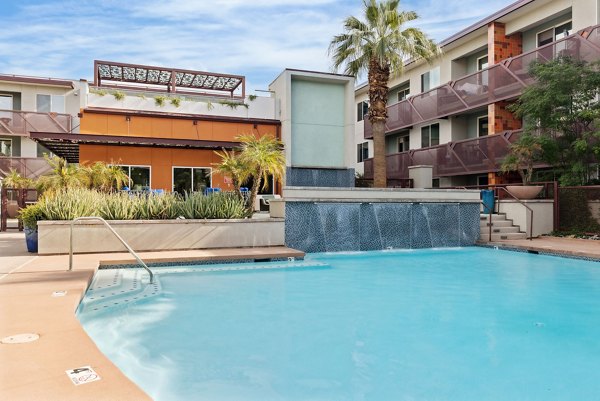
(36, 370)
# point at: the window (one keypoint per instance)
(191, 179)
(435, 183)
(362, 110)
(268, 190)
(482, 63)
(482, 126)
(404, 143)
(50, 103)
(430, 135)
(362, 152)
(555, 33)
(6, 102)
(139, 177)
(43, 151)
(5, 147)
(430, 79)
(403, 94)
(482, 180)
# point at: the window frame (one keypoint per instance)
(404, 90)
(11, 146)
(363, 113)
(52, 96)
(129, 166)
(553, 28)
(428, 73)
(481, 58)
(400, 141)
(210, 169)
(429, 135)
(360, 151)
(478, 126)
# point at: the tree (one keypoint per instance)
(232, 165)
(104, 177)
(263, 157)
(562, 108)
(15, 180)
(526, 151)
(380, 46)
(62, 176)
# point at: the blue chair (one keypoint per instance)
(209, 190)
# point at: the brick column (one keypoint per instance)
(501, 47)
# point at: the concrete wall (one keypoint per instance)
(158, 235)
(543, 215)
(262, 107)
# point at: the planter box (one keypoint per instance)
(159, 235)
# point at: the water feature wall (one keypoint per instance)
(363, 219)
(319, 177)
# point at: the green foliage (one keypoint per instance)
(209, 105)
(232, 165)
(522, 155)
(68, 204)
(252, 98)
(104, 177)
(62, 176)
(175, 101)
(99, 92)
(14, 180)
(563, 108)
(232, 104)
(142, 96)
(160, 100)
(382, 37)
(575, 214)
(119, 95)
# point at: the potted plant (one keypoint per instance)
(30, 216)
(522, 155)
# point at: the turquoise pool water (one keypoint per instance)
(450, 324)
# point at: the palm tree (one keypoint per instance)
(62, 176)
(264, 157)
(15, 180)
(380, 46)
(233, 166)
(106, 178)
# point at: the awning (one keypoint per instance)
(67, 145)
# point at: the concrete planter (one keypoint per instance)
(524, 191)
(160, 235)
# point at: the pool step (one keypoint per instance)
(502, 228)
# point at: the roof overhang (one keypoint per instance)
(62, 83)
(67, 145)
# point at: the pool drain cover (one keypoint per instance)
(20, 338)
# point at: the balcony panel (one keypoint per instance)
(436, 103)
(594, 36)
(401, 115)
(28, 167)
(21, 123)
(397, 165)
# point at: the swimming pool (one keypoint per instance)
(441, 324)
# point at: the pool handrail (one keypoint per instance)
(95, 218)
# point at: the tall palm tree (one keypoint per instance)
(380, 45)
(62, 176)
(264, 157)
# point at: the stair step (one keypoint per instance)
(503, 236)
(500, 216)
(502, 230)
(497, 223)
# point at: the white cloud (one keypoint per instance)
(257, 39)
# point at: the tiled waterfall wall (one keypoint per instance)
(348, 226)
(319, 177)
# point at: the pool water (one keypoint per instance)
(448, 324)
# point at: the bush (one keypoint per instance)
(71, 203)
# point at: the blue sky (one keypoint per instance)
(255, 38)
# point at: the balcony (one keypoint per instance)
(470, 156)
(502, 81)
(29, 167)
(21, 123)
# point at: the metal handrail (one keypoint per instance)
(522, 203)
(131, 251)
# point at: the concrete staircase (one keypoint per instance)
(502, 228)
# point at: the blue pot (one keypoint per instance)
(31, 238)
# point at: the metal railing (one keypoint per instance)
(501, 81)
(497, 204)
(21, 123)
(94, 218)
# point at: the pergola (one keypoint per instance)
(172, 80)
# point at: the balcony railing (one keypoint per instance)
(29, 167)
(499, 82)
(470, 156)
(21, 123)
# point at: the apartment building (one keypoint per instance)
(163, 125)
(452, 114)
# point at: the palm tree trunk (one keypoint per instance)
(378, 93)
(254, 191)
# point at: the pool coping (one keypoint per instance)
(37, 370)
(540, 250)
